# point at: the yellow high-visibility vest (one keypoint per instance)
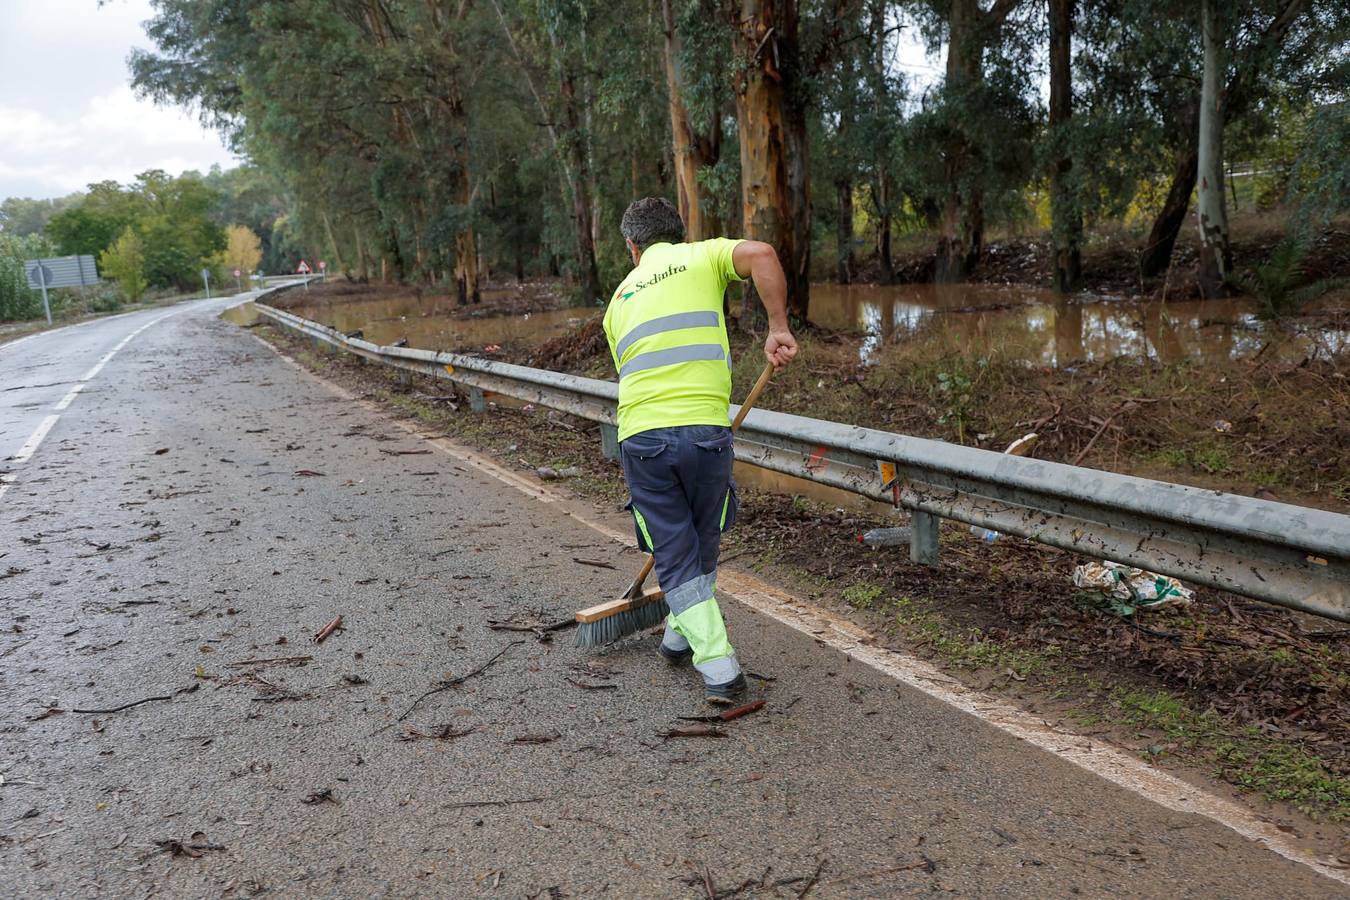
(669, 339)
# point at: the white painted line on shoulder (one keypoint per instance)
(33, 442)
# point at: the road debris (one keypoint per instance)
(270, 661)
(683, 731)
(323, 796)
(193, 847)
(599, 564)
(446, 685)
(591, 687)
(185, 690)
(327, 630)
(727, 715)
(308, 473)
(547, 737)
(444, 732)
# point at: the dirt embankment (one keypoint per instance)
(1225, 687)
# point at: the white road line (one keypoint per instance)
(69, 397)
(1110, 763)
(31, 446)
(28, 449)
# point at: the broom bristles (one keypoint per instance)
(603, 632)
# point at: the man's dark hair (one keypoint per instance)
(652, 220)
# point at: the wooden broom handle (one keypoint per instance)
(753, 396)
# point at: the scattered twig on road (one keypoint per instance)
(726, 715)
(537, 628)
(187, 690)
(438, 732)
(270, 661)
(810, 882)
(323, 796)
(708, 883)
(308, 472)
(591, 687)
(446, 685)
(468, 804)
(542, 738)
(692, 731)
(927, 865)
(403, 452)
(327, 630)
(599, 564)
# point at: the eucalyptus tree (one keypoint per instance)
(980, 125)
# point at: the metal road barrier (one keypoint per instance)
(1289, 555)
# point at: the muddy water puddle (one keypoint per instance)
(438, 323)
(1011, 321)
(1036, 326)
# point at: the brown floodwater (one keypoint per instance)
(1010, 321)
(439, 323)
(1042, 329)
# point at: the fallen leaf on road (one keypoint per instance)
(161, 451)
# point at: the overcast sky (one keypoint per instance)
(68, 115)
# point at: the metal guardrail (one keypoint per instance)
(1288, 555)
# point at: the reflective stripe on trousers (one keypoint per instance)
(695, 621)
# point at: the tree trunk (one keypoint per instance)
(1162, 237)
(1066, 218)
(588, 274)
(772, 141)
(1216, 258)
(961, 238)
(844, 230)
(686, 162)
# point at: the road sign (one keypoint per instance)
(303, 268)
(61, 271)
(236, 273)
(322, 265)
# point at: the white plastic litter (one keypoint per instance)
(1143, 589)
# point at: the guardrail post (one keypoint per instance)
(923, 538)
(609, 441)
(476, 401)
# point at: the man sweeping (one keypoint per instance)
(669, 341)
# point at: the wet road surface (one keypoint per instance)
(201, 508)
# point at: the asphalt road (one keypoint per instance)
(201, 505)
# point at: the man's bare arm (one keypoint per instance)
(759, 262)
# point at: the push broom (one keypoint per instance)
(636, 611)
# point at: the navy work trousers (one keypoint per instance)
(682, 500)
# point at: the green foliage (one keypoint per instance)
(124, 263)
(17, 300)
(21, 216)
(954, 391)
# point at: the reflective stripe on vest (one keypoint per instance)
(676, 322)
(656, 358)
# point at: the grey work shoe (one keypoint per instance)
(676, 657)
(727, 693)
